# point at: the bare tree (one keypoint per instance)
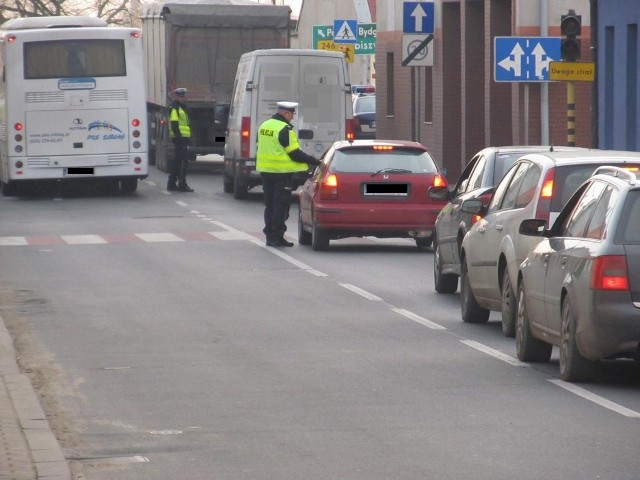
(114, 12)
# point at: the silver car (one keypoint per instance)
(579, 289)
(536, 186)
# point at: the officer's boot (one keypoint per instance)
(172, 186)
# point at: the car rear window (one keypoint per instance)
(629, 230)
(503, 162)
(567, 180)
(365, 104)
(368, 160)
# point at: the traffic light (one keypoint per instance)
(570, 26)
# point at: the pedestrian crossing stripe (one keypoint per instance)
(345, 32)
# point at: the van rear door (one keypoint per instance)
(323, 102)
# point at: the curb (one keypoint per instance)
(28, 447)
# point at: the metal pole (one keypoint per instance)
(526, 113)
(571, 114)
(544, 86)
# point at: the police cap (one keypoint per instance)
(288, 106)
(180, 92)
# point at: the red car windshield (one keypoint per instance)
(368, 160)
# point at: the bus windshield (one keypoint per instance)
(74, 58)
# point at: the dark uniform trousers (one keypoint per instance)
(180, 162)
(277, 200)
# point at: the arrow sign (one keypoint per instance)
(418, 17)
(513, 61)
(524, 59)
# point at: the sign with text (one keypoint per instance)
(347, 49)
(365, 44)
(572, 71)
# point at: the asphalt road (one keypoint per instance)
(167, 342)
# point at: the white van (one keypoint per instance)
(316, 79)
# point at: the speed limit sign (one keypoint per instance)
(424, 56)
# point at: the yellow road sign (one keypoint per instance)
(349, 49)
(572, 71)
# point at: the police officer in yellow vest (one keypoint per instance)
(279, 157)
(180, 132)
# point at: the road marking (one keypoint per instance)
(361, 292)
(494, 353)
(83, 239)
(159, 237)
(597, 399)
(418, 319)
(13, 241)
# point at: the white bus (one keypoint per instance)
(72, 103)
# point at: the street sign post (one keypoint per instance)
(524, 59)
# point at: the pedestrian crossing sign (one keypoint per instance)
(344, 31)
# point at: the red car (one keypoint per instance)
(375, 188)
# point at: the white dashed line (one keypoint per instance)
(494, 353)
(418, 319)
(361, 292)
(597, 399)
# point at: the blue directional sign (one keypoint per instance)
(524, 59)
(418, 17)
(345, 31)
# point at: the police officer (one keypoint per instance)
(279, 157)
(180, 132)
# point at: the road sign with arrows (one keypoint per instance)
(524, 59)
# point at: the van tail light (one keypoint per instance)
(546, 194)
(349, 130)
(610, 273)
(245, 136)
(329, 187)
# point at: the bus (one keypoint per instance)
(72, 103)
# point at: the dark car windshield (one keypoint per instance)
(368, 160)
(629, 230)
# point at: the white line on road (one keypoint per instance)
(494, 353)
(418, 319)
(597, 399)
(361, 292)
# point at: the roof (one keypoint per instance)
(370, 143)
(219, 13)
(587, 156)
(50, 22)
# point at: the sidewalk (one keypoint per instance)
(28, 448)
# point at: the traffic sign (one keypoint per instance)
(572, 71)
(524, 59)
(424, 57)
(418, 17)
(345, 31)
(365, 45)
(348, 49)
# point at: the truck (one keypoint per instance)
(197, 44)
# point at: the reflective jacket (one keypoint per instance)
(178, 114)
(272, 156)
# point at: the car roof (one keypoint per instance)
(342, 144)
(582, 156)
(530, 148)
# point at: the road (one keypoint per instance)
(167, 342)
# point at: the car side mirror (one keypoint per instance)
(438, 193)
(533, 227)
(473, 206)
(305, 134)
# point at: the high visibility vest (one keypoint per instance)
(273, 157)
(179, 114)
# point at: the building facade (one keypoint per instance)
(455, 107)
